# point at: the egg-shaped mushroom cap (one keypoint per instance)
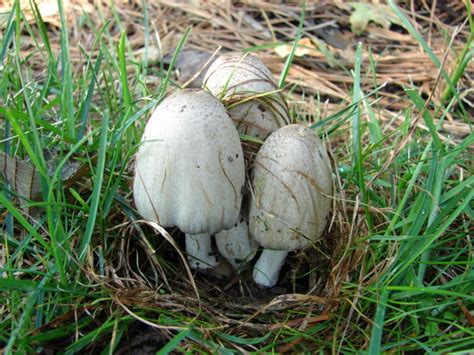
(291, 186)
(189, 168)
(249, 92)
(232, 74)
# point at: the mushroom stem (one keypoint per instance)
(268, 266)
(199, 250)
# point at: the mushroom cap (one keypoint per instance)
(235, 244)
(232, 74)
(249, 91)
(260, 116)
(189, 168)
(291, 185)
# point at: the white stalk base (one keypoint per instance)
(268, 266)
(200, 253)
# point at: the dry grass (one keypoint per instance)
(398, 58)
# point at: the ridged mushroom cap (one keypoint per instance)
(291, 185)
(189, 168)
(232, 74)
(248, 90)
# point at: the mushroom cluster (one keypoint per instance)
(190, 171)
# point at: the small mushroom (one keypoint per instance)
(292, 189)
(236, 245)
(250, 94)
(190, 171)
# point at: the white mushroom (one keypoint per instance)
(248, 90)
(190, 171)
(236, 245)
(291, 185)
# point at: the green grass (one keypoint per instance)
(58, 290)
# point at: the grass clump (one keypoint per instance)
(80, 272)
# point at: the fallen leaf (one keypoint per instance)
(304, 47)
(23, 178)
(363, 13)
(310, 47)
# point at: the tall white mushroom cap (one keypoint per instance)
(250, 93)
(291, 186)
(189, 168)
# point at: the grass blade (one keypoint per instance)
(357, 135)
(289, 59)
(96, 193)
(464, 58)
(418, 101)
(409, 27)
(378, 323)
(179, 47)
(174, 342)
(122, 55)
(67, 106)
